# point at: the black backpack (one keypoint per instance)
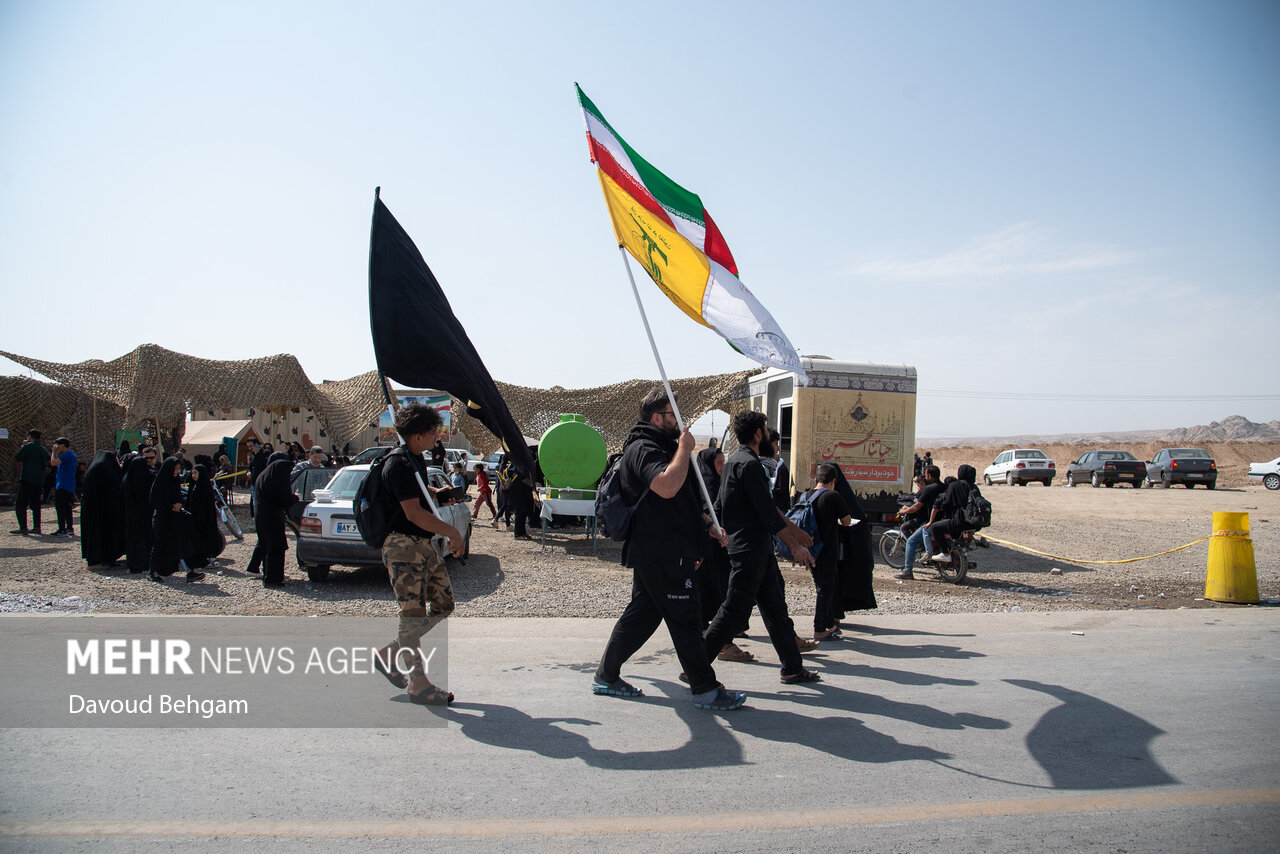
(374, 507)
(802, 514)
(977, 511)
(613, 513)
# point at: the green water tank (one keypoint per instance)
(572, 454)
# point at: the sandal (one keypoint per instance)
(395, 677)
(432, 696)
(723, 701)
(733, 652)
(805, 644)
(617, 688)
(802, 676)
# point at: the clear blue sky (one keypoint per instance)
(1039, 201)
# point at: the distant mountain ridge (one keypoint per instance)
(1235, 428)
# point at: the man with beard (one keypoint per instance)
(751, 520)
(666, 543)
(31, 458)
(102, 513)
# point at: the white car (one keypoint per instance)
(1020, 466)
(1268, 473)
(327, 533)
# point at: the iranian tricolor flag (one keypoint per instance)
(668, 231)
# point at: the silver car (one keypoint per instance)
(327, 533)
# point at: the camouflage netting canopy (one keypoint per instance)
(611, 409)
(158, 384)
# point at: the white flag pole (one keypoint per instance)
(702, 484)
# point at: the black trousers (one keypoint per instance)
(520, 498)
(28, 496)
(63, 501)
(825, 612)
(754, 579)
(662, 591)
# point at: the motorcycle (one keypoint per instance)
(952, 556)
(893, 542)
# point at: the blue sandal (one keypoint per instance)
(723, 701)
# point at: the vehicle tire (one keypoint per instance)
(1271, 481)
(1166, 481)
(954, 570)
(1071, 479)
(1139, 483)
(1094, 479)
(317, 573)
(893, 548)
(986, 480)
(1048, 482)
(1213, 484)
(1008, 479)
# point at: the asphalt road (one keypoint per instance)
(1080, 731)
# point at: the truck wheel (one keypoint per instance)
(1095, 480)
(1271, 481)
(318, 573)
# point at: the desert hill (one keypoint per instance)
(1235, 428)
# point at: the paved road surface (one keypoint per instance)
(1151, 731)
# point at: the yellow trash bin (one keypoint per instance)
(1232, 575)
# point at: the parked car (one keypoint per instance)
(1107, 468)
(304, 483)
(1268, 473)
(368, 455)
(327, 529)
(1020, 466)
(1187, 466)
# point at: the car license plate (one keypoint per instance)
(345, 528)
(1194, 474)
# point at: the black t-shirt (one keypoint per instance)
(750, 516)
(399, 481)
(828, 509)
(927, 497)
(661, 528)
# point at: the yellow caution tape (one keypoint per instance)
(1075, 560)
(232, 474)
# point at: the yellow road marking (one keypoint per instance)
(608, 825)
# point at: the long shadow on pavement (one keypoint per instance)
(1087, 743)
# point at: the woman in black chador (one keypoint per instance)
(101, 513)
(203, 508)
(274, 498)
(135, 498)
(171, 531)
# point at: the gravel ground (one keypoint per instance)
(508, 577)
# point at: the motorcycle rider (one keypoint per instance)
(922, 509)
(947, 517)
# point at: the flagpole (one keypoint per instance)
(702, 484)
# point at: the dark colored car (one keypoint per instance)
(368, 455)
(1187, 466)
(1107, 468)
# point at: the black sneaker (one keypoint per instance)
(194, 576)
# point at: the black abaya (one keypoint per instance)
(274, 498)
(203, 508)
(135, 495)
(102, 533)
(170, 529)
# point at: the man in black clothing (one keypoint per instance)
(751, 519)
(922, 510)
(667, 541)
(947, 516)
(829, 511)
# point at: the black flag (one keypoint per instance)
(417, 340)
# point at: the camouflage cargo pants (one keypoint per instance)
(418, 578)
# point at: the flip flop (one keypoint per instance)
(395, 677)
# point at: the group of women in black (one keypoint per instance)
(128, 509)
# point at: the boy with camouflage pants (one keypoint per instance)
(417, 574)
